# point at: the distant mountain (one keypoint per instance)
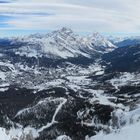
(125, 41)
(124, 59)
(63, 43)
(53, 48)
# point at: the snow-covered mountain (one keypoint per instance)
(125, 41)
(63, 43)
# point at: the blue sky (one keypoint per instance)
(116, 17)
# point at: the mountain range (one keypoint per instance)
(63, 86)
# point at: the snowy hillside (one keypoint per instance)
(130, 132)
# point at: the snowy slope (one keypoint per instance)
(131, 132)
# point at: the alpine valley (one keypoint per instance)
(63, 86)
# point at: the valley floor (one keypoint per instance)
(84, 103)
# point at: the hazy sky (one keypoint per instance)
(105, 16)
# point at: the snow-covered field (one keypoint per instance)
(130, 132)
(17, 134)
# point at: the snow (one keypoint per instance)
(2, 75)
(52, 50)
(125, 79)
(74, 87)
(17, 134)
(100, 97)
(53, 121)
(35, 132)
(63, 137)
(48, 84)
(11, 66)
(128, 126)
(58, 109)
(55, 113)
(63, 44)
(131, 132)
(29, 53)
(4, 85)
(99, 73)
(77, 79)
(3, 135)
(3, 89)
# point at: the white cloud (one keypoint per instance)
(82, 15)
